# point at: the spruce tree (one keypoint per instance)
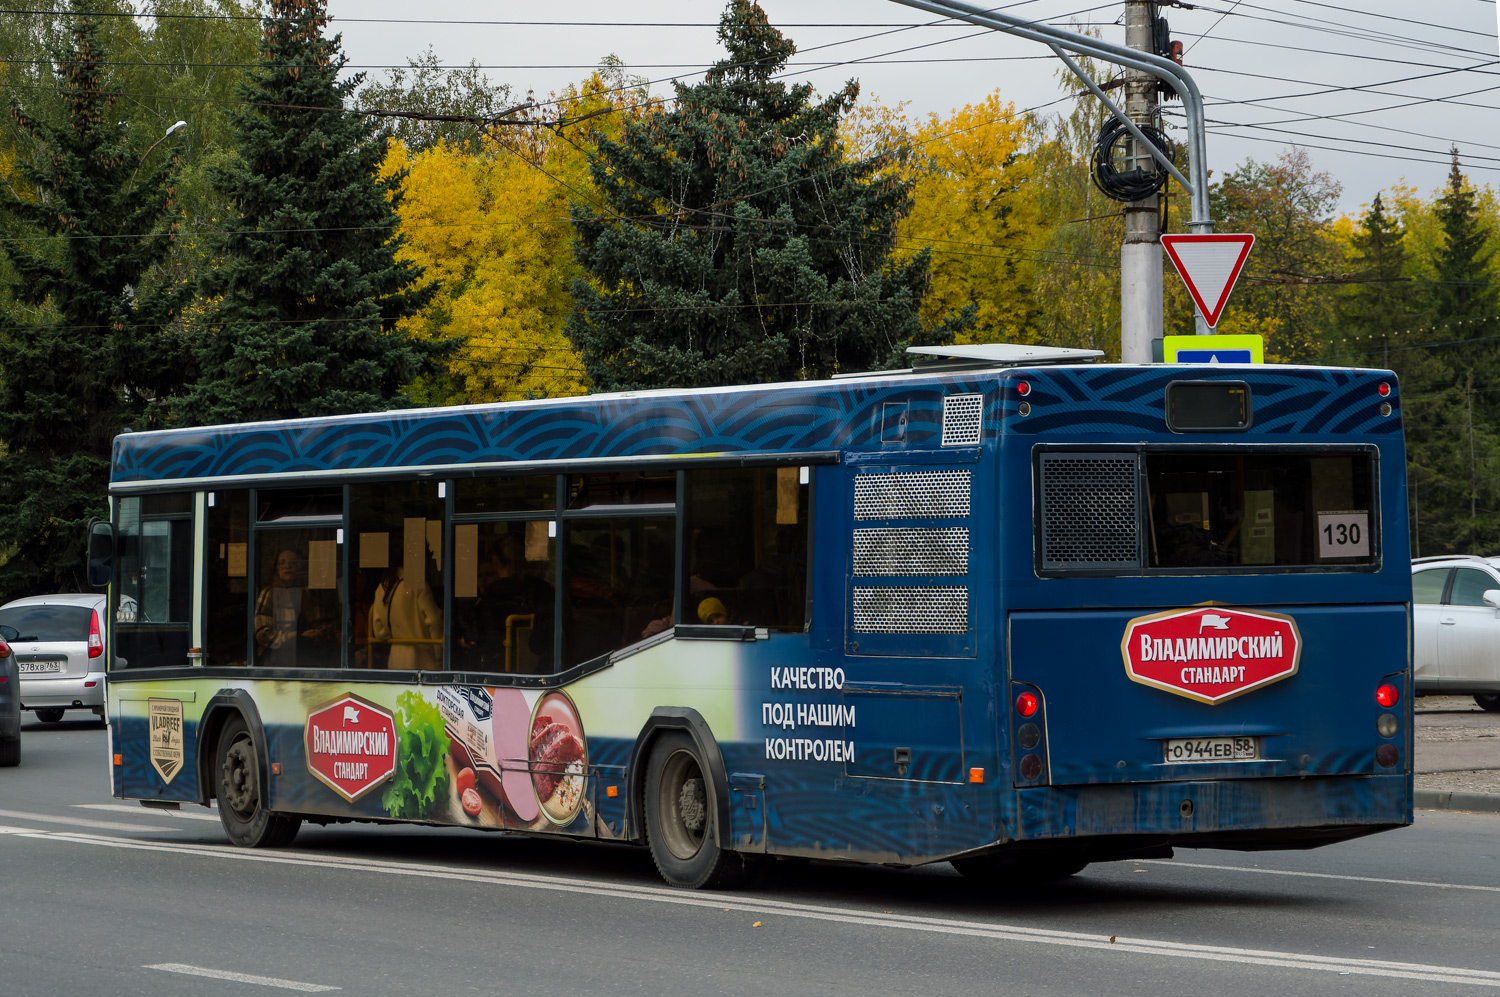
(1383, 303)
(305, 303)
(1465, 298)
(731, 241)
(89, 338)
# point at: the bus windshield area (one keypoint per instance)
(1272, 509)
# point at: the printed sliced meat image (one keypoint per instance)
(553, 748)
(558, 758)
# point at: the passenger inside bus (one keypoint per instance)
(509, 624)
(296, 626)
(406, 616)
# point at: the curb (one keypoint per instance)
(1436, 799)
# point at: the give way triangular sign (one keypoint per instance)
(1209, 265)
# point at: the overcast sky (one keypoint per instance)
(1429, 72)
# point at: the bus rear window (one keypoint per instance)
(1258, 508)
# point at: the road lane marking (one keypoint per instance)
(101, 825)
(595, 889)
(221, 974)
(125, 808)
(1325, 875)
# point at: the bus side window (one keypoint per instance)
(746, 557)
(618, 585)
(155, 568)
(397, 563)
(227, 630)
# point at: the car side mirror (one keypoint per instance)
(1491, 598)
(101, 556)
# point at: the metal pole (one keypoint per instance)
(1141, 301)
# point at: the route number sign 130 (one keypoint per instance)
(1343, 534)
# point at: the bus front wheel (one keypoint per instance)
(681, 820)
(247, 822)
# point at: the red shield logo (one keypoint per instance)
(351, 746)
(1211, 653)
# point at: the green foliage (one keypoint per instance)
(731, 242)
(90, 339)
(427, 87)
(306, 301)
(421, 745)
(1286, 205)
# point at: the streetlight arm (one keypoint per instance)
(1057, 38)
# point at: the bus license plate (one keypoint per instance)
(40, 667)
(1210, 749)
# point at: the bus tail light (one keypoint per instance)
(96, 641)
(1387, 695)
(1028, 736)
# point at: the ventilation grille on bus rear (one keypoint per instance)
(963, 415)
(938, 610)
(912, 495)
(911, 552)
(1089, 511)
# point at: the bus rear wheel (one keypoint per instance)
(246, 821)
(1011, 870)
(681, 823)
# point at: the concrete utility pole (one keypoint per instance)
(1141, 302)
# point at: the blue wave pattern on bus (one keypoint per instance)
(777, 419)
(1286, 400)
(786, 419)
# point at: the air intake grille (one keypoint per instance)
(912, 495)
(911, 552)
(962, 417)
(937, 610)
(1089, 511)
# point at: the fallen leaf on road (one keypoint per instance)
(755, 925)
(1111, 939)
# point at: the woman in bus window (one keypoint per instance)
(293, 625)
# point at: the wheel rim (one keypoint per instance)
(239, 779)
(683, 806)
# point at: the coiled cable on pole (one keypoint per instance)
(1133, 184)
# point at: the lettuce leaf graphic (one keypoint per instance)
(420, 779)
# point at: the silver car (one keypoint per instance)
(59, 650)
(1456, 627)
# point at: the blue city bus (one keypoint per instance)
(1011, 608)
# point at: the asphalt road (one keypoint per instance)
(102, 897)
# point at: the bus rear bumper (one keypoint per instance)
(1246, 814)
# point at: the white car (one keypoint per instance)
(1456, 627)
(59, 649)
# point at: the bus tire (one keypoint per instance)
(246, 822)
(1488, 701)
(681, 827)
(1011, 870)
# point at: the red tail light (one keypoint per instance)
(1026, 704)
(96, 640)
(1387, 695)
(4, 649)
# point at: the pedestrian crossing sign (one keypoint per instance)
(1213, 349)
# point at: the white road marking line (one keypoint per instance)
(221, 974)
(1325, 875)
(102, 825)
(807, 911)
(125, 808)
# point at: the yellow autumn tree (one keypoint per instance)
(490, 224)
(972, 206)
